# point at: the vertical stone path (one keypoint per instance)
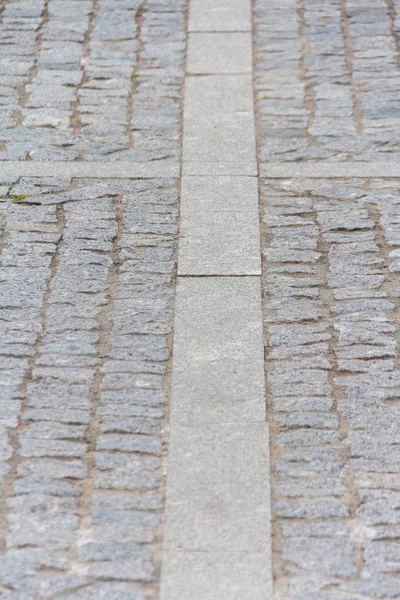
(217, 519)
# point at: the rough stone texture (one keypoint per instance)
(331, 299)
(87, 285)
(327, 79)
(87, 276)
(91, 79)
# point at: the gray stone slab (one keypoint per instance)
(218, 371)
(215, 576)
(219, 227)
(218, 142)
(219, 119)
(219, 53)
(114, 170)
(328, 170)
(218, 491)
(217, 390)
(219, 243)
(217, 97)
(219, 15)
(223, 193)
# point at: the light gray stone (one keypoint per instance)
(210, 53)
(218, 119)
(219, 230)
(211, 169)
(212, 576)
(218, 353)
(217, 489)
(90, 169)
(217, 330)
(318, 169)
(219, 15)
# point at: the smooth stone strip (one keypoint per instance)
(210, 53)
(217, 523)
(219, 576)
(114, 170)
(218, 120)
(329, 170)
(122, 170)
(219, 15)
(219, 228)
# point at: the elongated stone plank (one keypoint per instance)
(218, 478)
(112, 170)
(231, 576)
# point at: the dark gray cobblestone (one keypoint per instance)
(87, 278)
(91, 79)
(327, 79)
(331, 297)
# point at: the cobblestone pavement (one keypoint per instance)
(87, 300)
(86, 275)
(91, 79)
(327, 79)
(331, 289)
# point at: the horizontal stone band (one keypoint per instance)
(125, 170)
(98, 170)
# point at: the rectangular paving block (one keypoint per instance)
(167, 168)
(219, 15)
(219, 53)
(223, 193)
(218, 491)
(219, 227)
(215, 576)
(219, 243)
(219, 119)
(329, 170)
(218, 369)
